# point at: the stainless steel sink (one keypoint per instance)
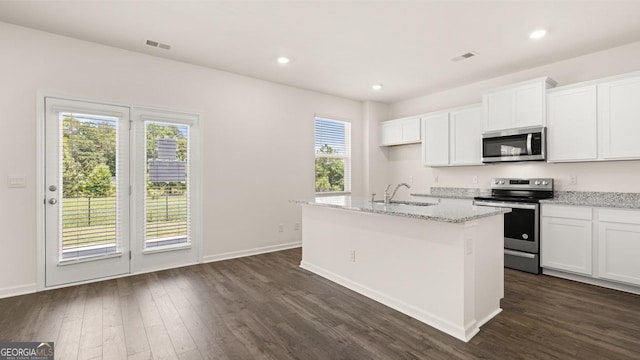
(400, 202)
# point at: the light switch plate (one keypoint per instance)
(16, 181)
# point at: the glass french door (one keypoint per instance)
(87, 191)
(163, 177)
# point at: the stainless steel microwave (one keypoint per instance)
(527, 144)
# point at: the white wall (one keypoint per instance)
(255, 135)
(405, 161)
(375, 172)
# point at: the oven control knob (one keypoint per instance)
(501, 182)
(545, 183)
(537, 182)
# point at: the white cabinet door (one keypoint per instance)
(619, 118)
(516, 106)
(619, 252)
(529, 105)
(498, 110)
(435, 140)
(400, 131)
(411, 130)
(390, 133)
(466, 136)
(566, 244)
(572, 124)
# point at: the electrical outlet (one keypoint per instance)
(352, 256)
(280, 228)
(435, 178)
(410, 180)
(296, 226)
(474, 179)
(573, 179)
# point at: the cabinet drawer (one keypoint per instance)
(568, 212)
(619, 216)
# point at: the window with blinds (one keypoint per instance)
(332, 155)
(167, 185)
(89, 178)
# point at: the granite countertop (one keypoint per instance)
(454, 193)
(451, 213)
(596, 199)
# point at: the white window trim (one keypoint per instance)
(347, 158)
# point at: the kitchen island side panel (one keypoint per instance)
(419, 267)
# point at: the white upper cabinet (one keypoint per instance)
(572, 124)
(453, 137)
(435, 139)
(619, 118)
(400, 131)
(466, 136)
(516, 106)
(595, 121)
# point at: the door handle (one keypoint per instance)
(53, 201)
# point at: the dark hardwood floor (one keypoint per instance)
(266, 307)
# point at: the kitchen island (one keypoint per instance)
(440, 264)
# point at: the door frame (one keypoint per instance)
(196, 188)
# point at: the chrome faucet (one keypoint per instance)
(387, 198)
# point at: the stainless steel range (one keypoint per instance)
(522, 224)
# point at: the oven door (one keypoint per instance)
(521, 225)
(521, 228)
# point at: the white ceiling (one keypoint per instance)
(342, 48)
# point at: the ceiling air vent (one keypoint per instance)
(464, 56)
(158, 45)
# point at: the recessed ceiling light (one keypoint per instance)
(376, 86)
(538, 34)
(283, 60)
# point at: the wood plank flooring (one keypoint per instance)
(266, 307)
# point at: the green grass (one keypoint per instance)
(91, 221)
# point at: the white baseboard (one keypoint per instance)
(32, 288)
(250, 252)
(489, 317)
(18, 290)
(593, 281)
(464, 333)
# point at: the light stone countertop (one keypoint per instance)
(595, 199)
(454, 193)
(451, 213)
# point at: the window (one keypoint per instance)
(167, 185)
(333, 155)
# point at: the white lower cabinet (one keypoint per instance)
(597, 243)
(619, 245)
(567, 245)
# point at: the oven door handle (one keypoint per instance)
(519, 254)
(529, 147)
(506, 205)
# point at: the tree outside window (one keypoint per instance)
(333, 152)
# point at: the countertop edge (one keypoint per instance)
(456, 220)
(461, 197)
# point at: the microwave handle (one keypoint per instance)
(529, 149)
